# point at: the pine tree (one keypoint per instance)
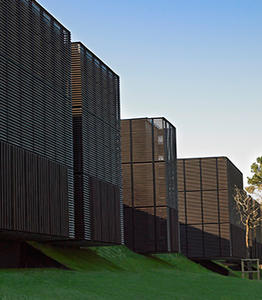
(255, 181)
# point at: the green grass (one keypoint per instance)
(115, 258)
(117, 273)
(232, 273)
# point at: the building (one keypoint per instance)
(209, 224)
(97, 155)
(36, 146)
(149, 185)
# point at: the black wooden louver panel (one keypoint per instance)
(97, 157)
(149, 185)
(35, 87)
(210, 227)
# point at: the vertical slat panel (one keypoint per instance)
(30, 197)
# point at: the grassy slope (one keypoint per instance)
(117, 273)
(231, 272)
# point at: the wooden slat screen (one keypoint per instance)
(97, 156)
(206, 207)
(105, 207)
(76, 80)
(33, 194)
(35, 86)
(149, 185)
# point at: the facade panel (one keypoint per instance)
(210, 225)
(149, 185)
(97, 157)
(35, 100)
(33, 195)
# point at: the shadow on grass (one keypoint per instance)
(158, 260)
(77, 259)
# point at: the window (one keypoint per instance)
(89, 56)
(97, 62)
(36, 8)
(57, 27)
(46, 18)
(160, 139)
(25, 2)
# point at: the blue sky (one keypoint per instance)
(196, 62)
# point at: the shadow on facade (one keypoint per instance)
(146, 233)
(196, 243)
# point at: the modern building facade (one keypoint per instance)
(149, 185)
(209, 224)
(97, 155)
(36, 146)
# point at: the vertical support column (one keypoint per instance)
(258, 270)
(167, 148)
(154, 182)
(218, 209)
(185, 203)
(230, 209)
(132, 181)
(202, 209)
(243, 268)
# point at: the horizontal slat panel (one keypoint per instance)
(35, 86)
(206, 200)
(97, 157)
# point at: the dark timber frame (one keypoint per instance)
(36, 184)
(149, 185)
(97, 156)
(209, 224)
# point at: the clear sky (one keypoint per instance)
(196, 62)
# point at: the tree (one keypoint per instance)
(255, 181)
(249, 212)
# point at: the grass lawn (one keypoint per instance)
(117, 273)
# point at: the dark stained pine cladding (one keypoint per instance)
(97, 156)
(35, 102)
(149, 185)
(209, 224)
(33, 195)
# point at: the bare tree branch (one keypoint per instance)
(249, 211)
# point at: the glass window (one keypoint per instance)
(57, 27)
(97, 62)
(46, 18)
(25, 1)
(160, 139)
(89, 56)
(36, 8)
